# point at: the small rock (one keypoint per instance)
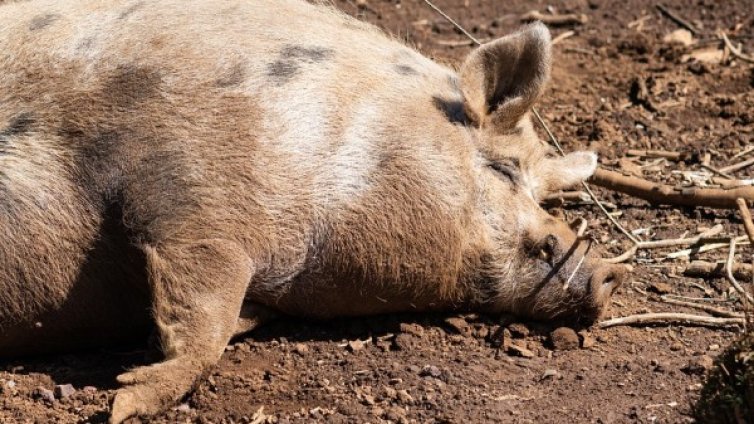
(412, 328)
(564, 338)
(405, 398)
(550, 373)
(62, 391)
(89, 389)
(459, 325)
(355, 345)
(301, 349)
(430, 371)
(680, 36)
(404, 342)
(45, 395)
(698, 365)
(587, 342)
(518, 330)
(500, 337)
(520, 351)
(184, 407)
(675, 347)
(660, 288)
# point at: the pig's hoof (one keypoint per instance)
(149, 390)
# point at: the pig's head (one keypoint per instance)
(534, 264)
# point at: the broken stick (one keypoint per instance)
(718, 312)
(667, 195)
(703, 269)
(672, 318)
(555, 20)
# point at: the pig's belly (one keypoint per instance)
(323, 296)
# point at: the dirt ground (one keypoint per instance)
(452, 368)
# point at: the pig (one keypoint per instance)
(191, 167)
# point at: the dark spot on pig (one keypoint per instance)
(453, 110)
(234, 76)
(292, 58)
(19, 125)
(308, 54)
(85, 44)
(42, 21)
(130, 10)
(282, 70)
(405, 70)
(130, 85)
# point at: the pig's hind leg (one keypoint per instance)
(197, 292)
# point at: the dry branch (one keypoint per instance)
(555, 20)
(672, 318)
(664, 194)
(562, 37)
(703, 269)
(718, 312)
(677, 19)
(746, 217)
(738, 166)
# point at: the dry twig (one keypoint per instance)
(735, 51)
(654, 244)
(672, 318)
(555, 20)
(677, 19)
(664, 194)
(718, 312)
(738, 166)
(729, 273)
(562, 37)
(703, 269)
(675, 156)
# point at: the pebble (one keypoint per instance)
(44, 394)
(459, 325)
(430, 371)
(660, 288)
(549, 373)
(63, 391)
(698, 365)
(587, 341)
(518, 330)
(520, 351)
(355, 345)
(301, 349)
(404, 397)
(412, 328)
(564, 338)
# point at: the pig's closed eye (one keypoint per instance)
(506, 169)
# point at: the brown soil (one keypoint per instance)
(451, 368)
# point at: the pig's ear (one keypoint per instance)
(560, 173)
(502, 79)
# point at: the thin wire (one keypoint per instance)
(554, 140)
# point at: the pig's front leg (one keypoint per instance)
(197, 290)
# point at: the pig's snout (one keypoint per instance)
(605, 279)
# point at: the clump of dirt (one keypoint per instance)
(728, 393)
